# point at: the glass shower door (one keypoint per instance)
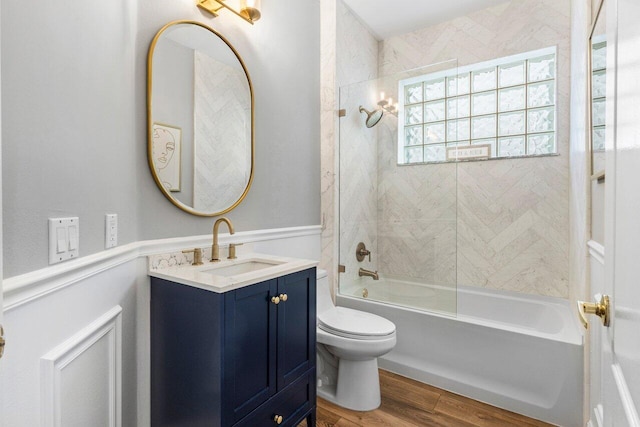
(398, 192)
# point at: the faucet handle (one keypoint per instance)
(232, 250)
(197, 255)
(361, 252)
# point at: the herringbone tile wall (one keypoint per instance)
(500, 224)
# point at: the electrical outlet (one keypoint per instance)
(110, 231)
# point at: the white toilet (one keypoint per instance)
(349, 344)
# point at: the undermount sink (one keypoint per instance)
(242, 267)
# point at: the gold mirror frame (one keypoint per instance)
(156, 178)
(600, 174)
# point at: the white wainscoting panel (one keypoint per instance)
(81, 378)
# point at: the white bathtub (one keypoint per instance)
(518, 352)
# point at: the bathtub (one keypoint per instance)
(519, 352)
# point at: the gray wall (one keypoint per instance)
(74, 121)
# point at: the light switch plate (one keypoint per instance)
(110, 230)
(64, 239)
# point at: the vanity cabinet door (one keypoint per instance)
(249, 348)
(296, 326)
(185, 356)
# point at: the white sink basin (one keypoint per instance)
(242, 267)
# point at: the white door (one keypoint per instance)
(2, 391)
(620, 343)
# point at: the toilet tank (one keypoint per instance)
(323, 292)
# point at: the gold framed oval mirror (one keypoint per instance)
(200, 132)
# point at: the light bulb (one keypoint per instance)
(250, 9)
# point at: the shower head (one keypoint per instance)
(373, 117)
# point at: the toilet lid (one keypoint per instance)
(355, 324)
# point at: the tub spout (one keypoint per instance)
(373, 274)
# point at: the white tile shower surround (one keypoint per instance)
(328, 127)
(349, 58)
(511, 217)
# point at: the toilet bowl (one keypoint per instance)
(349, 343)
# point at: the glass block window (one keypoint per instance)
(598, 92)
(508, 105)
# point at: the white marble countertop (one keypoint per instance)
(205, 277)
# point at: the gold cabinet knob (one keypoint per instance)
(283, 297)
(600, 309)
(275, 300)
(277, 419)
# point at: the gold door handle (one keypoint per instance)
(283, 297)
(275, 300)
(277, 419)
(2, 341)
(600, 309)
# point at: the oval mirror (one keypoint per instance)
(199, 119)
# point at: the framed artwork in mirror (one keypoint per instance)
(167, 153)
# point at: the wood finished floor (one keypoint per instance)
(409, 403)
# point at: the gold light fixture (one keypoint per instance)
(249, 10)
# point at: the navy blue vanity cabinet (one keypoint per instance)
(241, 358)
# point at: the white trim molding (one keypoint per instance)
(596, 250)
(626, 399)
(59, 361)
(19, 290)
(598, 416)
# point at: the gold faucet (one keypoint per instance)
(197, 256)
(215, 248)
(373, 274)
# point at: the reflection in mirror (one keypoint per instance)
(200, 119)
(598, 85)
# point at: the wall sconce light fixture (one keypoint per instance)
(249, 10)
(388, 105)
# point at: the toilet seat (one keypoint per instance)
(355, 324)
